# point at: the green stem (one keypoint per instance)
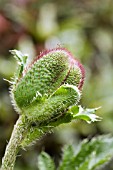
(13, 146)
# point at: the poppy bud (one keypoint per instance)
(45, 75)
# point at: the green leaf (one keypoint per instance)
(85, 114)
(94, 153)
(22, 59)
(104, 151)
(84, 166)
(90, 155)
(19, 56)
(45, 162)
(67, 161)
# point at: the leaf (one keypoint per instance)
(67, 161)
(90, 156)
(104, 151)
(94, 153)
(85, 114)
(45, 162)
(19, 56)
(84, 166)
(22, 59)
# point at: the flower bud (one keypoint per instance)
(45, 75)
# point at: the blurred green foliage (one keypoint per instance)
(85, 27)
(89, 155)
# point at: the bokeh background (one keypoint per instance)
(85, 27)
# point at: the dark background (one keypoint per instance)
(85, 27)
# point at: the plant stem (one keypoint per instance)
(13, 146)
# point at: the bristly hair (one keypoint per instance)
(72, 61)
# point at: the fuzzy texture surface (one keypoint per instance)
(46, 93)
(50, 70)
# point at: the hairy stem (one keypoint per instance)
(13, 146)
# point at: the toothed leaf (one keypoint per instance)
(68, 159)
(45, 162)
(94, 153)
(84, 114)
(89, 155)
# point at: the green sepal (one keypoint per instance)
(53, 112)
(35, 133)
(74, 76)
(39, 130)
(55, 106)
(45, 75)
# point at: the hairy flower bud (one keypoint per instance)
(46, 74)
(46, 95)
